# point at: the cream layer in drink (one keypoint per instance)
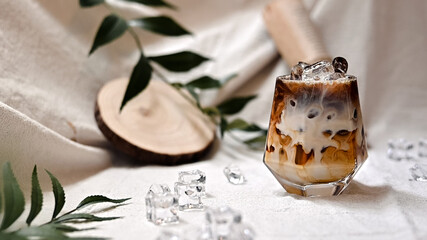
(316, 133)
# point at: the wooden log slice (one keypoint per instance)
(159, 126)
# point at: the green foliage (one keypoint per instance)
(11, 236)
(162, 25)
(211, 111)
(256, 142)
(13, 197)
(138, 81)
(240, 124)
(193, 94)
(36, 197)
(204, 82)
(67, 229)
(179, 62)
(112, 27)
(154, 3)
(98, 199)
(57, 228)
(90, 3)
(44, 232)
(58, 193)
(78, 217)
(234, 105)
(228, 78)
(222, 126)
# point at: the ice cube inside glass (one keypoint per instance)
(316, 140)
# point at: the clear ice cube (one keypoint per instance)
(399, 149)
(422, 148)
(319, 71)
(221, 221)
(419, 172)
(189, 195)
(234, 174)
(194, 176)
(297, 70)
(335, 76)
(161, 205)
(190, 189)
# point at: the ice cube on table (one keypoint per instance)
(190, 188)
(234, 174)
(399, 149)
(221, 221)
(319, 71)
(419, 172)
(422, 148)
(161, 205)
(194, 176)
(189, 195)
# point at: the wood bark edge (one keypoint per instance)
(135, 150)
(145, 156)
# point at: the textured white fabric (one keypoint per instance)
(48, 87)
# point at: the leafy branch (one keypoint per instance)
(57, 227)
(114, 26)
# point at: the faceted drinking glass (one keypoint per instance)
(316, 140)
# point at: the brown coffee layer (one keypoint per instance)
(292, 159)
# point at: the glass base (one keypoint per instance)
(315, 189)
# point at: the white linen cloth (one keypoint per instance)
(48, 87)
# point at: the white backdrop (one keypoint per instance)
(48, 87)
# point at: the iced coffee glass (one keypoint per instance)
(316, 140)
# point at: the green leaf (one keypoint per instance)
(256, 142)
(240, 124)
(112, 27)
(43, 232)
(11, 236)
(58, 193)
(138, 81)
(36, 197)
(194, 95)
(154, 3)
(211, 111)
(78, 217)
(228, 78)
(223, 126)
(88, 238)
(204, 82)
(179, 62)
(1, 203)
(98, 199)
(14, 201)
(177, 85)
(162, 24)
(90, 3)
(66, 228)
(234, 105)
